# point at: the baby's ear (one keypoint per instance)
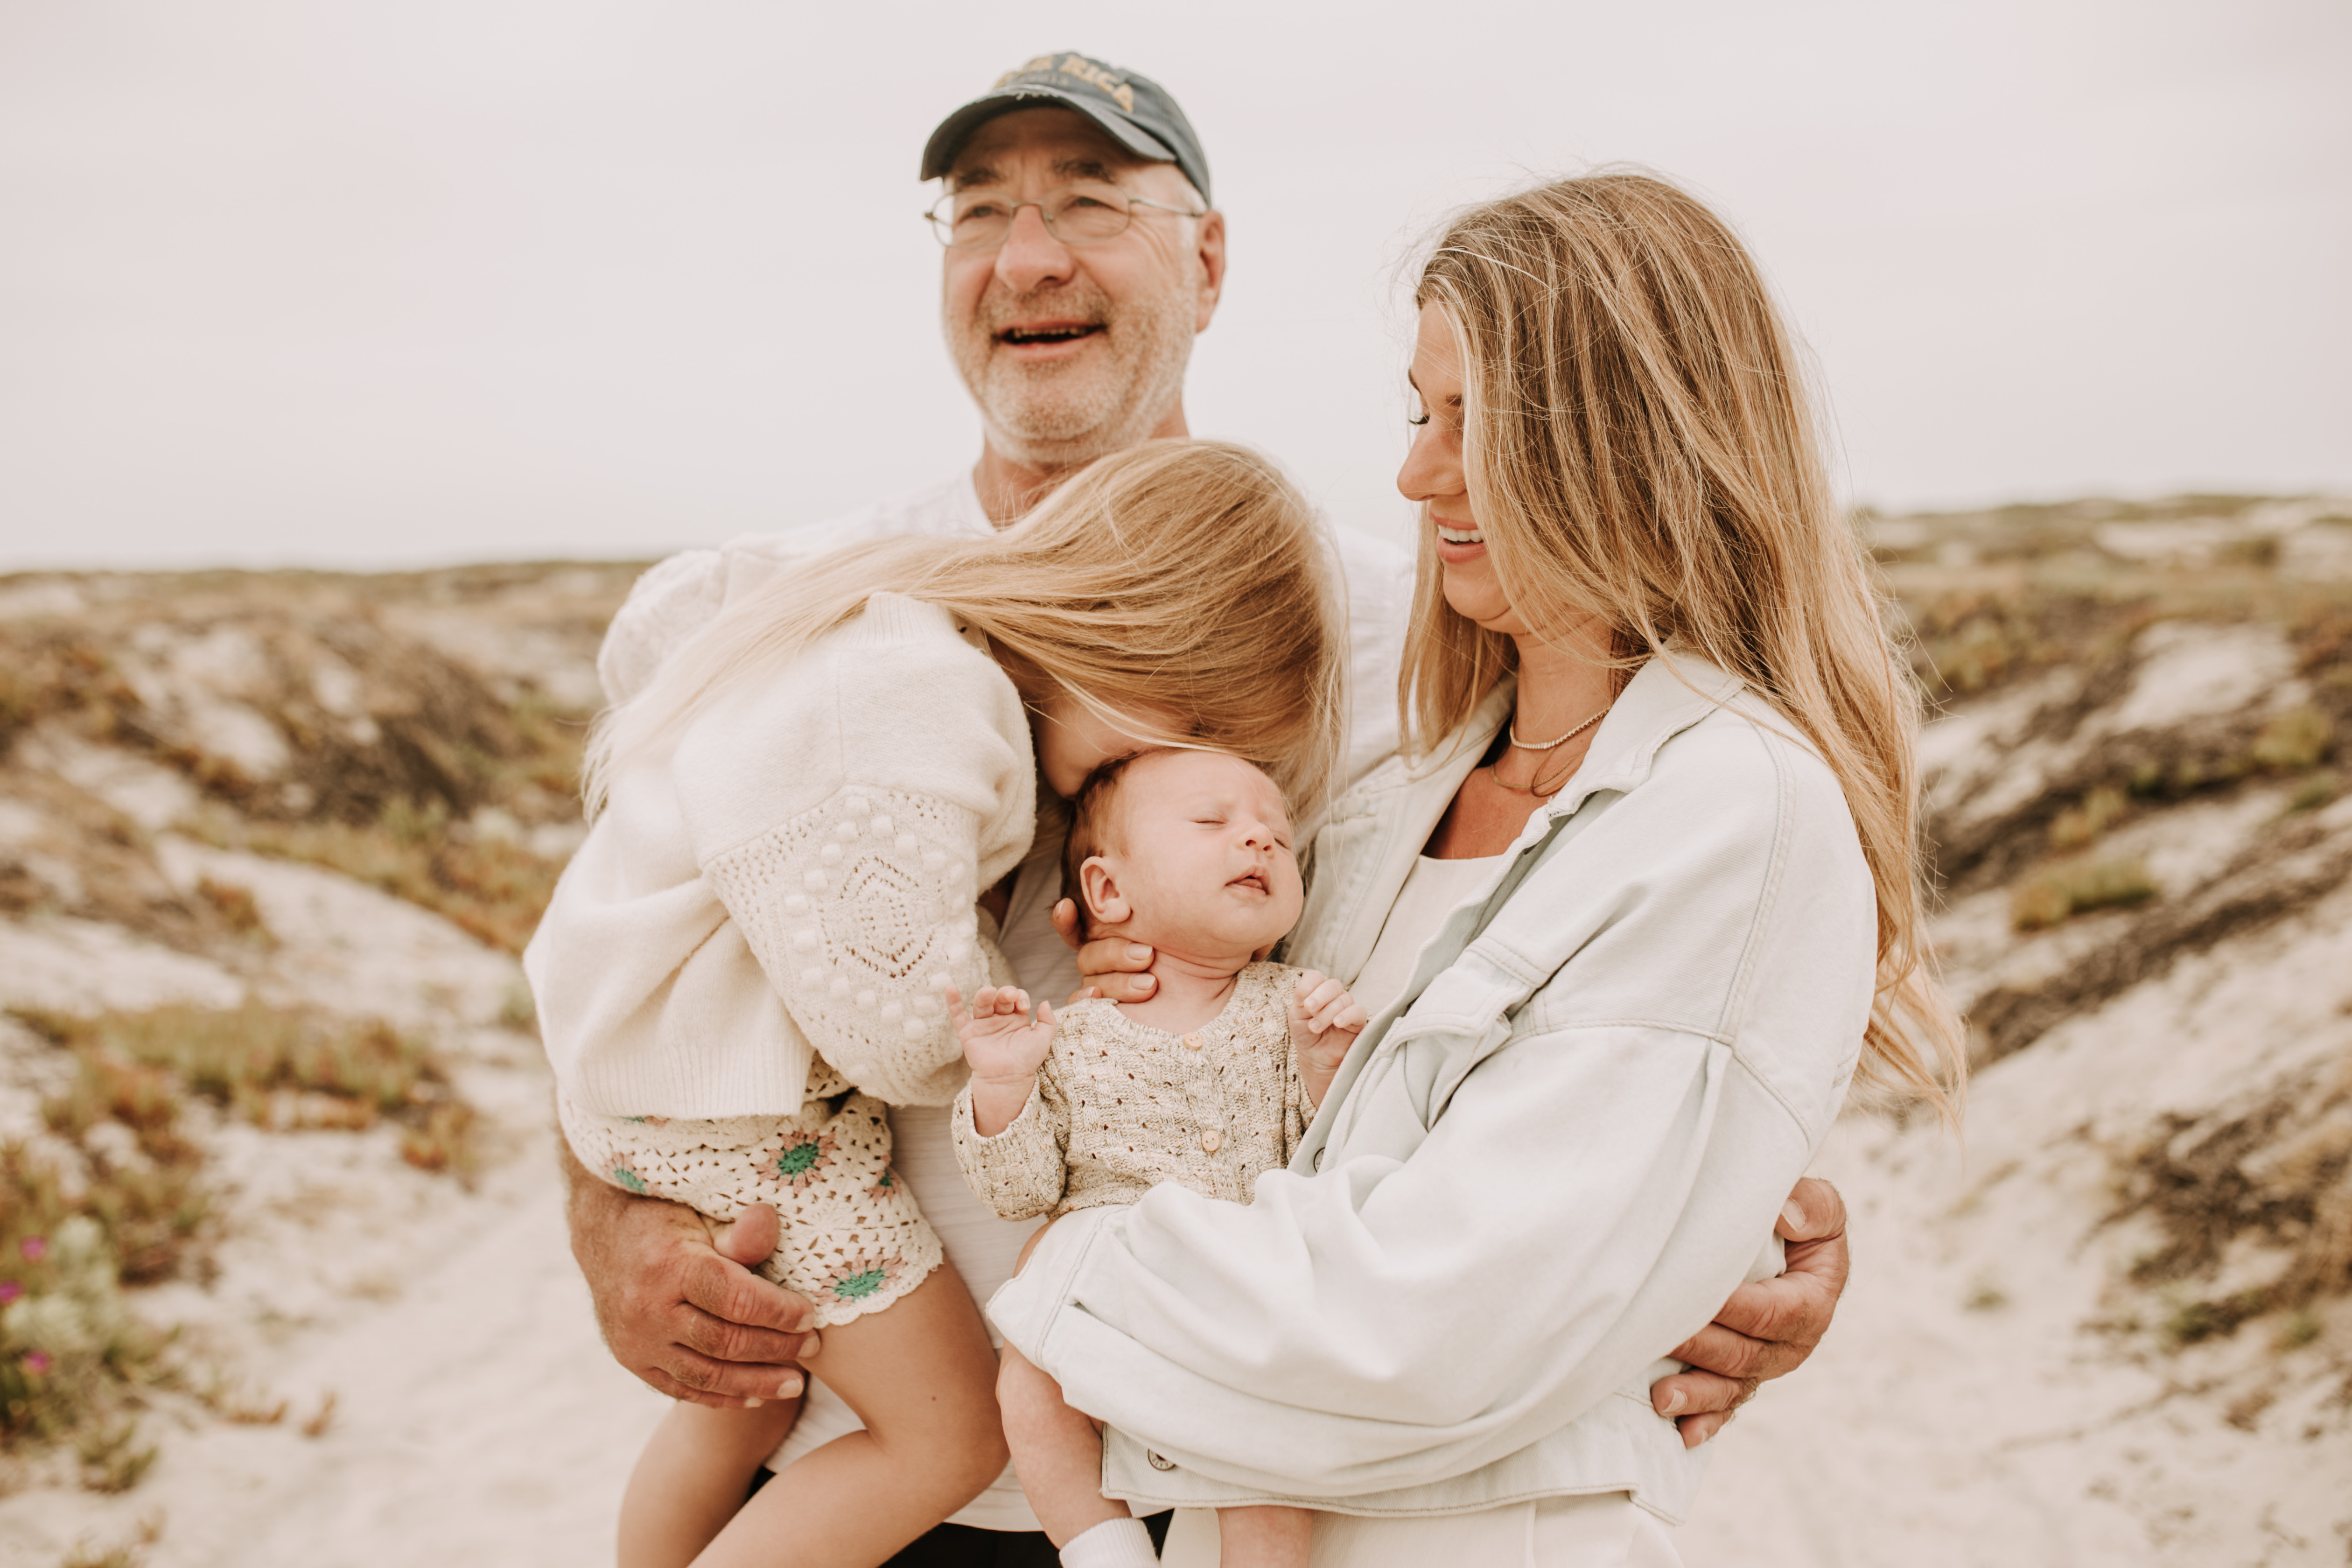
(1098, 891)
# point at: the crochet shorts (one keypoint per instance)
(853, 1240)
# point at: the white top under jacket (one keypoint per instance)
(793, 878)
(1540, 1168)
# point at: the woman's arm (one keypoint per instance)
(1434, 1300)
(1383, 1324)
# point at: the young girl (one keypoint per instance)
(1209, 1083)
(797, 826)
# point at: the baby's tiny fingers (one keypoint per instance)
(1044, 1014)
(1320, 999)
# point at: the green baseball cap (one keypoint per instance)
(1134, 110)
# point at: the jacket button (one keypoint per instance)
(1191, 1042)
(1156, 1462)
(1320, 1149)
(1211, 1141)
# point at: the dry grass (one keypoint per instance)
(72, 1359)
(492, 889)
(380, 781)
(128, 1553)
(2069, 887)
(2278, 1171)
(277, 1067)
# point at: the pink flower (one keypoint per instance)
(37, 1362)
(9, 1291)
(34, 1247)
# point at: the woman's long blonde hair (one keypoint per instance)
(1177, 578)
(1639, 447)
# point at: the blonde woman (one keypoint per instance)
(797, 828)
(1642, 893)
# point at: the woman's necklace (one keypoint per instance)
(1534, 785)
(1553, 745)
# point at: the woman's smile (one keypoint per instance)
(1458, 545)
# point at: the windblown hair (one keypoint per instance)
(1178, 589)
(1640, 447)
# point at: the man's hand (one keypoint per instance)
(1112, 965)
(1766, 1329)
(683, 1309)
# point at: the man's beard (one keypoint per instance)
(1061, 417)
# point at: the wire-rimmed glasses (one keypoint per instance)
(1074, 215)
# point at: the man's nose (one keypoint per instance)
(1030, 254)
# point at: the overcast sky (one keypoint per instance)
(426, 280)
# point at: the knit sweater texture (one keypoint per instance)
(795, 879)
(1120, 1107)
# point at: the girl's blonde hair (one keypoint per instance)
(1639, 448)
(1178, 589)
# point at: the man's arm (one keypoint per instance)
(1766, 1329)
(681, 1310)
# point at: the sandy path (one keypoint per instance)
(478, 1420)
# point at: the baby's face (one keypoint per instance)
(1200, 856)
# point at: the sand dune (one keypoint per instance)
(2114, 1328)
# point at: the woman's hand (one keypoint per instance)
(1766, 1329)
(1005, 1048)
(1112, 965)
(1324, 1023)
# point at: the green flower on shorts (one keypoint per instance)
(884, 1186)
(802, 1156)
(630, 1179)
(863, 1282)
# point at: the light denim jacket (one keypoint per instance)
(1542, 1169)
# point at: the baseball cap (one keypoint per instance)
(1134, 110)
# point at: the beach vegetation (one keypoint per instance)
(2068, 888)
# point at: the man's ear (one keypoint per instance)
(1098, 886)
(1211, 255)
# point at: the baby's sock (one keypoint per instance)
(1113, 1543)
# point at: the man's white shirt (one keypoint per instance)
(681, 595)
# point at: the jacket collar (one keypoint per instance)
(1666, 696)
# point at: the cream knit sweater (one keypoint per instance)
(793, 880)
(1120, 1107)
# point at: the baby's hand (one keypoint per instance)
(1324, 1022)
(999, 1039)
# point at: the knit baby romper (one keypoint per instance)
(1120, 1107)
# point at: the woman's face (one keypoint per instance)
(1072, 741)
(1433, 475)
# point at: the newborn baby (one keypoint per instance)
(1210, 1081)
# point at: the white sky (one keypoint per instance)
(426, 281)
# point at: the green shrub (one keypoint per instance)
(2294, 740)
(2068, 888)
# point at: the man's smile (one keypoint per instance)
(1024, 334)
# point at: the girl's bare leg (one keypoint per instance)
(1056, 1451)
(921, 1375)
(691, 1479)
(1268, 1536)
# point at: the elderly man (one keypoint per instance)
(1081, 256)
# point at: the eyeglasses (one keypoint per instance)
(1074, 215)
